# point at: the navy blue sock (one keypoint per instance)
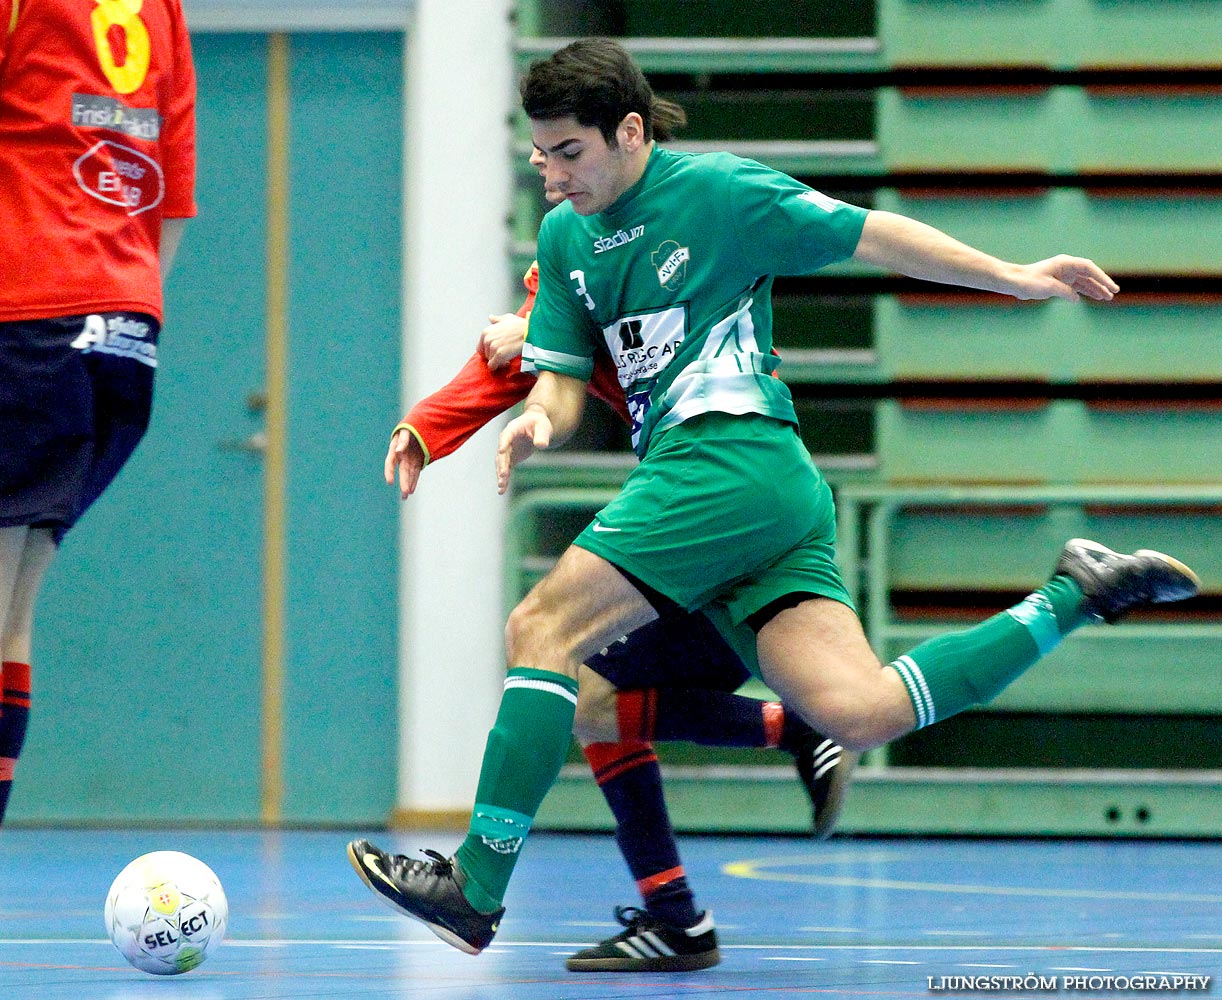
(710, 718)
(630, 779)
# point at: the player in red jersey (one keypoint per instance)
(623, 709)
(97, 178)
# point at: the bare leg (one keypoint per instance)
(36, 556)
(12, 545)
(816, 657)
(583, 604)
(595, 720)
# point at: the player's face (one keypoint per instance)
(578, 165)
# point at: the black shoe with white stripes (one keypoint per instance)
(826, 769)
(648, 944)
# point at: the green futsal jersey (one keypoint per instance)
(675, 279)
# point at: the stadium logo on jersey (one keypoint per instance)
(670, 260)
(119, 175)
(121, 336)
(618, 239)
(820, 200)
(92, 111)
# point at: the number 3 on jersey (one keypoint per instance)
(579, 277)
(125, 15)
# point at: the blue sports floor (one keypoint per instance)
(847, 918)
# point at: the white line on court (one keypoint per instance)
(433, 943)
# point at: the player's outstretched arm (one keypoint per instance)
(440, 423)
(490, 383)
(906, 246)
(553, 410)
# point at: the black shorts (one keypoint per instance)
(676, 650)
(75, 397)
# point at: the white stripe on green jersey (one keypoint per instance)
(684, 305)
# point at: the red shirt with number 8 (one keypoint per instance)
(97, 146)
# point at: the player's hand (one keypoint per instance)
(406, 456)
(501, 341)
(1064, 277)
(519, 439)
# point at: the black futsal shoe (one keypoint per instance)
(429, 891)
(826, 769)
(1115, 584)
(648, 944)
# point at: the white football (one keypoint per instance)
(165, 912)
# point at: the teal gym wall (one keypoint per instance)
(151, 660)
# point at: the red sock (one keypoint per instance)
(14, 718)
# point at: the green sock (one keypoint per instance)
(523, 756)
(950, 673)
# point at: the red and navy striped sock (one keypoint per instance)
(14, 718)
(629, 776)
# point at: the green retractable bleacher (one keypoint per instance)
(968, 435)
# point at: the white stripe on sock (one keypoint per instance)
(931, 714)
(534, 684)
(918, 705)
(918, 688)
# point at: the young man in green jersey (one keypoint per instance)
(666, 260)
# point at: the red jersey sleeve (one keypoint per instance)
(445, 420)
(531, 280)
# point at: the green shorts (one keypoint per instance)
(725, 510)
